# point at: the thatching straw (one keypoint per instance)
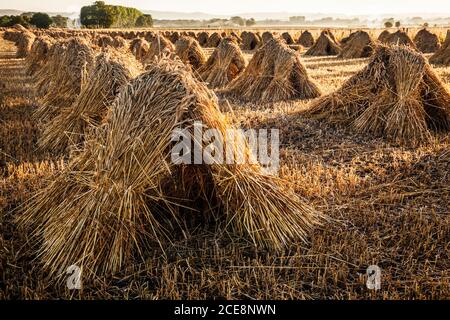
(38, 54)
(398, 95)
(359, 45)
(213, 40)
(287, 38)
(24, 43)
(190, 52)
(275, 73)
(65, 77)
(426, 41)
(111, 72)
(203, 38)
(139, 48)
(400, 38)
(442, 56)
(383, 37)
(306, 39)
(158, 47)
(117, 195)
(326, 45)
(224, 64)
(267, 36)
(105, 41)
(250, 41)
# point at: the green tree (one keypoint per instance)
(41, 20)
(388, 24)
(250, 22)
(9, 21)
(60, 21)
(238, 20)
(397, 24)
(144, 21)
(102, 15)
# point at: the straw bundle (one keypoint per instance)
(306, 39)
(267, 36)
(174, 36)
(250, 41)
(400, 38)
(105, 41)
(359, 45)
(426, 41)
(275, 73)
(65, 78)
(383, 37)
(398, 95)
(42, 82)
(139, 48)
(287, 38)
(236, 37)
(38, 54)
(190, 52)
(24, 43)
(160, 46)
(123, 192)
(120, 43)
(442, 56)
(111, 72)
(326, 45)
(224, 64)
(203, 38)
(213, 40)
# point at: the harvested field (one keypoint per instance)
(386, 203)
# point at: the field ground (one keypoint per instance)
(387, 205)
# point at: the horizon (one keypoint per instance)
(343, 7)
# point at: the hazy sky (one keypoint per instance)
(350, 7)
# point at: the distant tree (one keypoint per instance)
(238, 20)
(297, 19)
(250, 22)
(145, 20)
(397, 24)
(41, 20)
(426, 25)
(388, 24)
(60, 21)
(105, 16)
(9, 21)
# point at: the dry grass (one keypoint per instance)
(388, 206)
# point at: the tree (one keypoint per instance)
(41, 20)
(388, 24)
(105, 16)
(60, 21)
(238, 20)
(9, 21)
(397, 24)
(426, 25)
(250, 22)
(145, 20)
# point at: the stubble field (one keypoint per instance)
(387, 206)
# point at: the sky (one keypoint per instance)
(351, 7)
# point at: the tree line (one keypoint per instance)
(97, 15)
(36, 19)
(102, 15)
